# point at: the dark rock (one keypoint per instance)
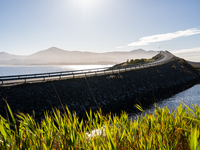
(113, 95)
(94, 108)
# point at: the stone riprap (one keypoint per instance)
(113, 93)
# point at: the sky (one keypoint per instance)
(101, 26)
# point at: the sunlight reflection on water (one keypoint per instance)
(20, 70)
(191, 95)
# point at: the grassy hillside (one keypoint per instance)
(192, 67)
(142, 60)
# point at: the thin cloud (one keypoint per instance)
(121, 46)
(184, 51)
(164, 37)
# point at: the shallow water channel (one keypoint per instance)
(189, 97)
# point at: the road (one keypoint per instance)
(167, 56)
(30, 78)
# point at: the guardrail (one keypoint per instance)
(14, 79)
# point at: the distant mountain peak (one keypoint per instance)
(2, 52)
(55, 55)
(53, 47)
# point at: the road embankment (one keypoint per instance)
(112, 93)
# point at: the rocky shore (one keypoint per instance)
(112, 93)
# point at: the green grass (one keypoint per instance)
(192, 67)
(197, 68)
(142, 60)
(138, 61)
(160, 130)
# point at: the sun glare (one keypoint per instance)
(87, 1)
(85, 4)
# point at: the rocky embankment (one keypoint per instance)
(112, 93)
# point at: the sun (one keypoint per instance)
(87, 1)
(85, 4)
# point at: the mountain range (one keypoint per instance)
(56, 56)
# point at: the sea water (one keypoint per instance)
(21, 70)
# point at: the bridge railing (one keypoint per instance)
(75, 73)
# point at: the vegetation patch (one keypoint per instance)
(138, 61)
(192, 67)
(160, 130)
(174, 67)
(196, 68)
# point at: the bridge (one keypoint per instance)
(42, 77)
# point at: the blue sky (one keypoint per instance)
(101, 26)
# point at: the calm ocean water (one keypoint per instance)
(21, 70)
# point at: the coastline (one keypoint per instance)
(112, 94)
